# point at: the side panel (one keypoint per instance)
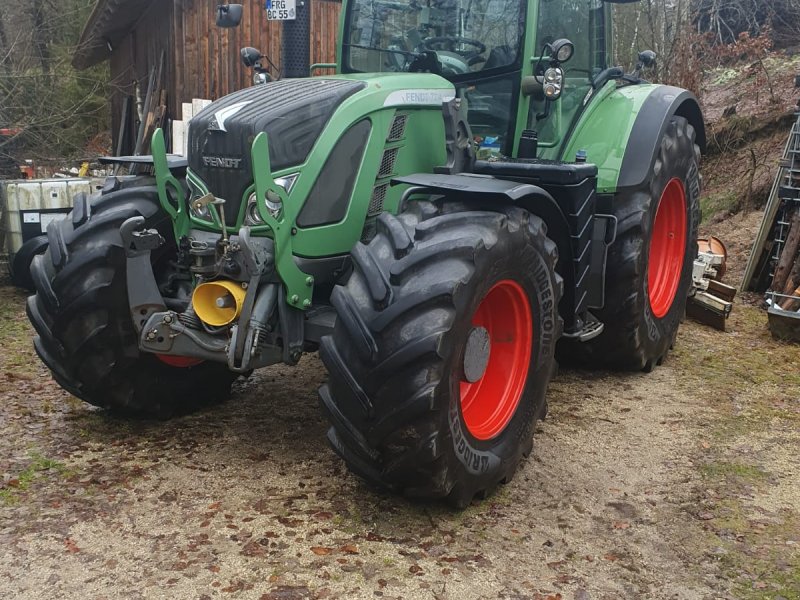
(419, 150)
(621, 128)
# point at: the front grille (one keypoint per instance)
(378, 197)
(387, 163)
(398, 130)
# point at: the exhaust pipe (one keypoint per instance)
(218, 303)
(295, 42)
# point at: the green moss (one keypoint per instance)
(723, 75)
(713, 204)
(752, 384)
(759, 565)
(740, 472)
(16, 334)
(38, 465)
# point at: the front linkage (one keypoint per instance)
(257, 272)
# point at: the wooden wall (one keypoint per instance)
(202, 60)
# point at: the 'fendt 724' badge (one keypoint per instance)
(222, 162)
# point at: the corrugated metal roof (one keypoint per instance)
(107, 26)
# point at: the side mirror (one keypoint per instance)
(229, 15)
(647, 59)
(250, 57)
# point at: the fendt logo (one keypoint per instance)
(220, 162)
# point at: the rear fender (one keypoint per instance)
(621, 128)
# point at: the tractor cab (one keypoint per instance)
(498, 54)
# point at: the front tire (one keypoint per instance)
(443, 349)
(649, 269)
(82, 317)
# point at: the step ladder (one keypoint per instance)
(755, 279)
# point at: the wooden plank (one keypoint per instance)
(187, 111)
(179, 137)
(198, 104)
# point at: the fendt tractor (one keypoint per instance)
(474, 192)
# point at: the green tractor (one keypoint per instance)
(475, 190)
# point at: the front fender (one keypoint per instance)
(621, 128)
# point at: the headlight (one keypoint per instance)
(272, 201)
(553, 83)
(274, 204)
(199, 210)
(253, 216)
(561, 50)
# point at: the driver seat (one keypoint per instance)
(500, 56)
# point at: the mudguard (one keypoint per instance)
(621, 128)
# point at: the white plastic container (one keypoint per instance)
(29, 206)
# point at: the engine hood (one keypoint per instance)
(294, 113)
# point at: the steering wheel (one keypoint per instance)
(450, 42)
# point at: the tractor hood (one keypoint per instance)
(294, 113)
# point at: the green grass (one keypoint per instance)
(752, 384)
(739, 472)
(16, 334)
(39, 465)
(723, 75)
(726, 201)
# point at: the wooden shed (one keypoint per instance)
(200, 59)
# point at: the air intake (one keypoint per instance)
(378, 197)
(387, 163)
(398, 130)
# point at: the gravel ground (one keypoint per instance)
(678, 484)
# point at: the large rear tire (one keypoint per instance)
(81, 313)
(20, 267)
(649, 270)
(443, 349)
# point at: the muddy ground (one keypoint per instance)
(678, 484)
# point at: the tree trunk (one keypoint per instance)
(41, 34)
(5, 50)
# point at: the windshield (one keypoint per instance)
(451, 37)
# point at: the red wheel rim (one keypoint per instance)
(667, 248)
(488, 404)
(179, 362)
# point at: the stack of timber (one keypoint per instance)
(783, 296)
(774, 265)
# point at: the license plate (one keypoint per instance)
(281, 10)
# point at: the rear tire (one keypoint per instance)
(20, 267)
(403, 415)
(81, 313)
(649, 274)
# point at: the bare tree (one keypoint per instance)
(57, 108)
